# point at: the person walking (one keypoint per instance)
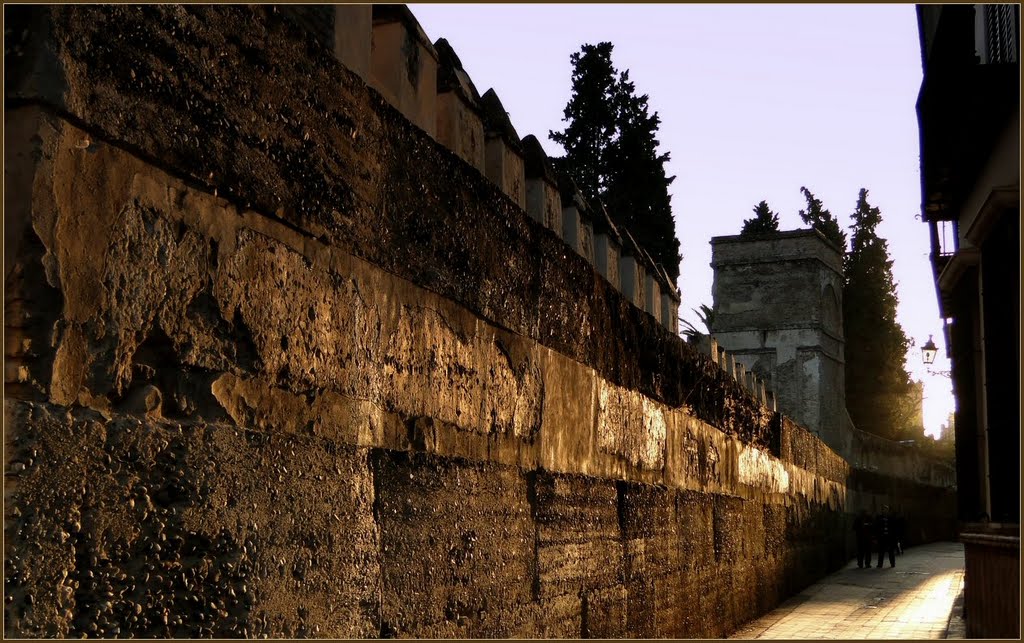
(862, 529)
(886, 537)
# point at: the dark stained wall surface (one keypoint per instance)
(242, 100)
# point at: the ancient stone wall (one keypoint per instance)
(778, 311)
(277, 363)
(479, 130)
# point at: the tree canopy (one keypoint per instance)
(611, 148)
(822, 220)
(877, 383)
(764, 221)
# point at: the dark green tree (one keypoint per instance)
(591, 114)
(822, 220)
(877, 382)
(611, 149)
(636, 191)
(764, 221)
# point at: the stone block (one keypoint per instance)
(543, 204)
(457, 546)
(504, 167)
(652, 296)
(460, 129)
(353, 37)
(629, 278)
(606, 257)
(403, 65)
(605, 613)
(578, 537)
(460, 125)
(222, 529)
(503, 151)
(317, 20)
(708, 345)
(587, 240)
(728, 528)
(572, 232)
(667, 319)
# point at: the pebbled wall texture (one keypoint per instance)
(276, 363)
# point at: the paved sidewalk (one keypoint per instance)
(913, 600)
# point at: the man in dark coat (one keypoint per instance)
(862, 529)
(884, 532)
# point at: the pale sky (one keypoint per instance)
(755, 101)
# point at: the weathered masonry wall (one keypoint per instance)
(778, 311)
(389, 41)
(264, 375)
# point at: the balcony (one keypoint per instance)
(991, 580)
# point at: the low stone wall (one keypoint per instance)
(264, 376)
(901, 460)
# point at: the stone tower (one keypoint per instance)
(778, 311)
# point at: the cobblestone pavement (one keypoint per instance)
(913, 600)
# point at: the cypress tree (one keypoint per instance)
(637, 186)
(764, 221)
(877, 382)
(822, 220)
(611, 148)
(591, 117)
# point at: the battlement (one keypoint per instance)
(426, 82)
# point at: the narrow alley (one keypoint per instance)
(913, 600)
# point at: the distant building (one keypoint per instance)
(969, 116)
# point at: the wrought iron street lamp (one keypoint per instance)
(928, 351)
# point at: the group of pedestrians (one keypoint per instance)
(885, 531)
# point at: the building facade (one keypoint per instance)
(969, 116)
